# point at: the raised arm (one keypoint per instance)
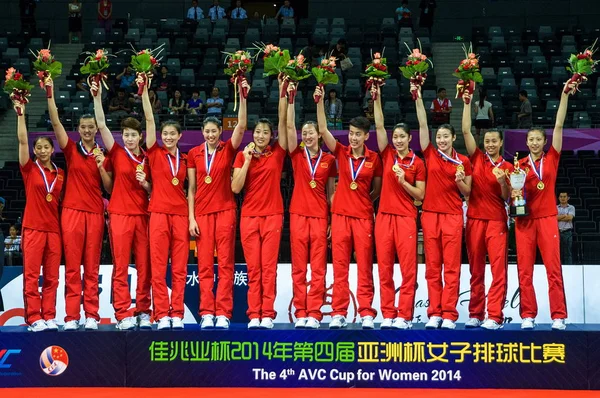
(470, 142)
(242, 123)
(382, 140)
(282, 123)
(322, 122)
(59, 129)
(557, 135)
(22, 137)
(107, 136)
(149, 116)
(239, 174)
(292, 135)
(424, 139)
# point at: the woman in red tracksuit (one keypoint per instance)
(448, 177)
(486, 232)
(128, 211)
(352, 219)
(41, 230)
(82, 217)
(169, 233)
(396, 224)
(540, 227)
(314, 185)
(212, 216)
(258, 170)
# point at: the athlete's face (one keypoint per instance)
(444, 139)
(131, 138)
(310, 137)
(262, 136)
(357, 137)
(492, 143)
(87, 130)
(536, 142)
(43, 150)
(401, 140)
(170, 137)
(211, 133)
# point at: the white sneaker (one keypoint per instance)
(367, 322)
(38, 326)
(126, 323)
(528, 323)
(401, 323)
(448, 324)
(222, 322)
(558, 324)
(164, 323)
(387, 323)
(266, 323)
(473, 323)
(254, 323)
(208, 322)
(177, 323)
(144, 321)
(434, 322)
(52, 325)
(312, 323)
(337, 322)
(91, 324)
(300, 323)
(71, 326)
(491, 324)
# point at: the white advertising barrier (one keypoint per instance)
(583, 295)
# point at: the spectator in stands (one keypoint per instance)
(339, 51)
(214, 104)
(27, 12)
(195, 13)
(163, 81)
(427, 9)
(566, 213)
(194, 104)
(484, 115)
(155, 102)
(440, 108)
(105, 14)
(12, 246)
(404, 15)
(525, 114)
(286, 11)
(333, 109)
(127, 80)
(176, 103)
(75, 20)
(119, 106)
(238, 12)
(216, 11)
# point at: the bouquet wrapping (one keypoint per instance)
(324, 73)
(468, 74)
(95, 66)
(377, 72)
(415, 70)
(237, 65)
(46, 66)
(17, 88)
(581, 65)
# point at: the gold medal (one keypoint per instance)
(49, 197)
(313, 184)
(140, 167)
(353, 186)
(208, 179)
(252, 145)
(97, 151)
(417, 203)
(541, 186)
(395, 168)
(175, 181)
(460, 167)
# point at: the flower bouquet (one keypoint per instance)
(17, 88)
(581, 65)
(237, 66)
(468, 73)
(94, 66)
(416, 69)
(275, 59)
(144, 62)
(324, 73)
(293, 72)
(46, 67)
(377, 72)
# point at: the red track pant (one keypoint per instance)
(216, 230)
(396, 235)
(130, 234)
(487, 236)
(308, 238)
(542, 233)
(169, 235)
(82, 241)
(260, 241)
(348, 233)
(43, 249)
(442, 238)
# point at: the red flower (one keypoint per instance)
(247, 61)
(236, 61)
(153, 61)
(582, 56)
(17, 76)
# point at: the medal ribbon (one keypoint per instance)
(208, 159)
(357, 172)
(174, 170)
(496, 165)
(49, 188)
(538, 173)
(313, 170)
(82, 147)
(408, 166)
(132, 156)
(454, 159)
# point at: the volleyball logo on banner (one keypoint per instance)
(54, 360)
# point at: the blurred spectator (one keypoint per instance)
(194, 104)
(238, 12)
(441, 107)
(176, 104)
(566, 213)
(333, 109)
(484, 114)
(120, 106)
(12, 247)
(27, 13)
(214, 104)
(163, 81)
(368, 109)
(427, 9)
(404, 15)
(216, 11)
(127, 80)
(105, 14)
(195, 13)
(525, 114)
(75, 24)
(339, 51)
(82, 84)
(286, 11)
(155, 102)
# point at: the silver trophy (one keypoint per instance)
(518, 207)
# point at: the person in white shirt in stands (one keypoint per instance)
(12, 246)
(566, 213)
(216, 12)
(484, 115)
(195, 13)
(286, 11)
(238, 12)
